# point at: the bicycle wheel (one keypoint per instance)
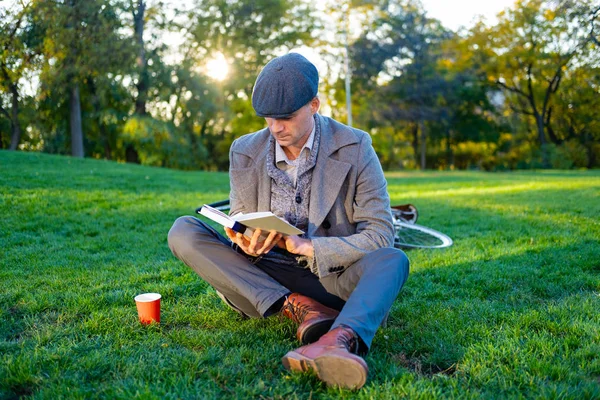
(222, 205)
(417, 236)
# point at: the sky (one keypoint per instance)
(456, 13)
(453, 14)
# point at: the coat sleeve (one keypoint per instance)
(371, 215)
(237, 162)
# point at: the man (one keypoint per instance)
(338, 280)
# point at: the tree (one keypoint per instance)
(82, 41)
(531, 48)
(138, 11)
(248, 35)
(574, 114)
(404, 47)
(17, 59)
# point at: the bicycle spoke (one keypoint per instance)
(412, 235)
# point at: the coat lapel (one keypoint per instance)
(263, 184)
(254, 182)
(327, 180)
(328, 176)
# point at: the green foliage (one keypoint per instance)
(478, 155)
(509, 311)
(393, 148)
(422, 91)
(571, 154)
(157, 144)
(534, 46)
(428, 95)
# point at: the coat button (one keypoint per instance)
(298, 199)
(326, 224)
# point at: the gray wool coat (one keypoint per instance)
(349, 209)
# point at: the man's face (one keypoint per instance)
(295, 130)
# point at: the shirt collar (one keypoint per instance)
(280, 154)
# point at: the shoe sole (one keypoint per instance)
(314, 332)
(335, 371)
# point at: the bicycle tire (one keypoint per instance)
(222, 205)
(408, 235)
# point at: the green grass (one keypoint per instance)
(511, 310)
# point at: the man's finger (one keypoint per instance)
(254, 242)
(240, 240)
(269, 242)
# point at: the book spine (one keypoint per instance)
(221, 218)
(238, 227)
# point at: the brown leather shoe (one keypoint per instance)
(314, 318)
(332, 358)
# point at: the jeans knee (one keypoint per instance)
(180, 233)
(395, 260)
(403, 265)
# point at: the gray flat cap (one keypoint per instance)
(284, 85)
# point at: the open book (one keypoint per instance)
(247, 223)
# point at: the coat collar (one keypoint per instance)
(334, 136)
(328, 176)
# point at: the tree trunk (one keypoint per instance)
(131, 154)
(142, 67)
(97, 111)
(423, 145)
(588, 143)
(15, 137)
(539, 120)
(449, 154)
(76, 129)
(415, 142)
(553, 138)
(203, 128)
(13, 117)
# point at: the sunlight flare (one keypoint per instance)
(217, 68)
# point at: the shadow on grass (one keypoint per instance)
(442, 311)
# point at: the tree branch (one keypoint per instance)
(510, 88)
(552, 87)
(523, 105)
(18, 22)
(3, 110)
(520, 110)
(595, 14)
(531, 97)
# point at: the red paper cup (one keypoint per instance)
(148, 306)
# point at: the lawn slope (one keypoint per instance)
(511, 310)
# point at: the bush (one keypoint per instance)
(160, 144)
(469, 155)
(570, 154)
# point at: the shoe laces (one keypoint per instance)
(349, 339)
(297, 311)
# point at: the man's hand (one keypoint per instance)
(297, 245)
(254, 246)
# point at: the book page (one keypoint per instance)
(267, 221)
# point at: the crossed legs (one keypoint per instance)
(364, 292)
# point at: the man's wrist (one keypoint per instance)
(308, 249)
